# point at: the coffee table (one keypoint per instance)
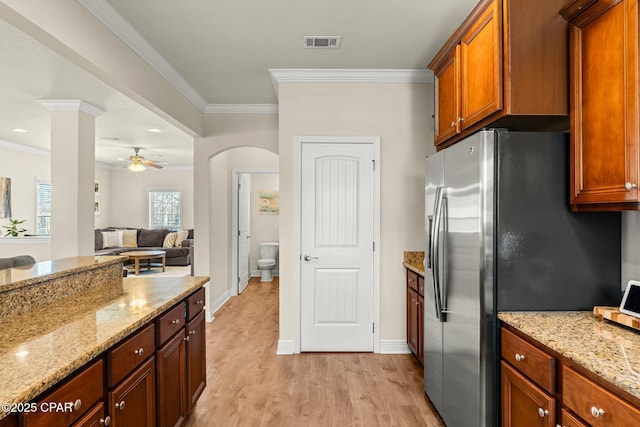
(136, 256)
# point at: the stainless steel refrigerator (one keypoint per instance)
(500, 237)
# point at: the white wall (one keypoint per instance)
(400, 114)
(264, 228)
(128, 202)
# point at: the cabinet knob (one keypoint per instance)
(519, 357)
(192, 332)
(543, 412)
(187, 338)
(77, 404)
(453, 124)
(629, 186)
(597, 412)
(105, 421)
(460, 119)
(139, 351)
(199, 302)
(175, 322)
(120, 405)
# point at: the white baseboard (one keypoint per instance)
(258, 273)
(217, 304)
(394, 347)
(285, 347)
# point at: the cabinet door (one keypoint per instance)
(420, 313)
(447, 85)
(604, 88)
(412, 320)
(524, 403)
(133, 402)
(568, 420)
(10, 420)
(481, 67)
(196, 360)
(94, 418)
(171, 379)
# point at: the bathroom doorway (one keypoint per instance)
(254, 219)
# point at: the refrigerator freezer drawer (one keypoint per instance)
(531, 361)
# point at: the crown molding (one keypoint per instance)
(126, 32)
(71, 105)
(26, 148)
(242, 108)
(348, 76)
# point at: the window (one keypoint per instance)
(43, 207)
(165, 209)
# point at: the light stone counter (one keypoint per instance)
(43, 346)
(414, 261)
(607, 349)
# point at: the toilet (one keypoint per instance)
(268, 260)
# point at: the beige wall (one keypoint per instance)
(264, 228)
(400, 114)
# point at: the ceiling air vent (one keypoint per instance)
(319, 42)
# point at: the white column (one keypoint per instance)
(72, 176)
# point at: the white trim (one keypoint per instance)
(71, 105)
(285, 347)
(25, 240)
(235, 173)
(297, 75)
(297, 304)
(217, 304)
(394, 347)
(27, 149)
(241, 109)
(126, 32)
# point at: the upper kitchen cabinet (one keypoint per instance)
(603, 40)
(505, 66)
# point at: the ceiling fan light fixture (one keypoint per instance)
(136, 167)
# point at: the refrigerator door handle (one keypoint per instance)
(435, 250)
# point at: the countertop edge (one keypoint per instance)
(413, 268)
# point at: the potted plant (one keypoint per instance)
(14, 229)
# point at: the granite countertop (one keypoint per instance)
(609, 350)
(40, 348)
(414, 261)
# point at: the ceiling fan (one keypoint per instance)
(137, 163)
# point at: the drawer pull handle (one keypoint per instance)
(186, 339)
(120, 405)
(105, 421)
(199, 302)
(77, 404)
(139, 352)
(597, 412)
(629, 186)
(192, 332)
(543, 412)
(519, 357)
(175, 322)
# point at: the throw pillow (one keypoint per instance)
(170, 240)
(129, 238)
(182, 234)
(111, 239)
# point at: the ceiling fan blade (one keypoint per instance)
(152, 164)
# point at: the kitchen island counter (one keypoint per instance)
(607, 349)
(41, 347)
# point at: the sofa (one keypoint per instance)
(19, 261)
(116, 240)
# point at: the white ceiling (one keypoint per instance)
(223, 49)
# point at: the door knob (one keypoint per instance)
(309, 257)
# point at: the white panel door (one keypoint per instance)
(244, 191)
(337, 247)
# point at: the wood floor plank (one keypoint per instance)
(248, 385)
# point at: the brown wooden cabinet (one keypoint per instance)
(523, 402)
(196, 360)
(94, 418)
(604, 90)
(505, 66)
(10, 420)
(415, 314)
(133, 402)
(171, 382)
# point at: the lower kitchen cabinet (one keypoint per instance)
(9, 421)
(196, 360)
(415, 314)
(133, 402)
(94, 418)
(524, 403)
(171, 369)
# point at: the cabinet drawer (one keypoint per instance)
(132, 352)
(593, 403)
(421, 285)
(82, 391)
(94, 418)
(195, 303)
(170, 322)
(533, 362)
(412, 280)
(568, 420)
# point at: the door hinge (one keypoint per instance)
(239, 233)
(374, 246)
(373, 328)
(374, 164)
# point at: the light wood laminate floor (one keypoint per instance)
(248, 385)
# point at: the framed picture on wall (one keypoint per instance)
(97, 189)
(96, 207)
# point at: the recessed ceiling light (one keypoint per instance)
(154, 130)
(19, 130)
